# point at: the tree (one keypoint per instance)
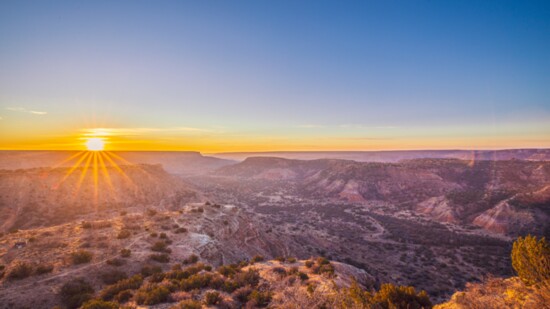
(531, 260)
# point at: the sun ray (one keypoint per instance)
(139, 168)
(68, 159)
(72, 169)
(96, 179)
(106, 174)
(83, 174)
(115, 165)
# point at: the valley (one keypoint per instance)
(435, 224)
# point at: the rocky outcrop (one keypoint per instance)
(438, 208)
(504, 218)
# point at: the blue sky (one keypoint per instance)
(301, 74)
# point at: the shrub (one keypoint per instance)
(259, 298)
(159, 246)
(125, 253)
(163, 236)
(115, 262)
(196, 281)
(99, 304)
(227, 270)
(111, 277)
(212, 298)
(181, 230)
(309, 264)
(241, 294)
(86, 225)
(75, 292)
(257, 258)
(152, 295)
(327, 269)
(280, 259)
(188, 304)
(131, 283)
(322, 261)
(531, 259)
(81, 256)
(151, 212)
(191, 259)
(43, 269)
(154, 234)
(291, 260)
(161, 258)
(123, 213)
(391, 296)
(280, 271)
(20, 270)
(148, 270)
(302, 276)
(124, 296)
(250, 277)
(157, 277)
(124, 234)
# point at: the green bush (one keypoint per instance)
(152, 295)
(531, 259)
(212, 298)
(131, 283)
(159, 246)
(303, 276)
(181, 230)
(196, 281)
(148, 270)
(259, 298)
(81, 256)
(280, 271)
(43, 269)
(250, 277)
(257, 258)
(113, 276)
(191, 259)
(125, 253)
(227, 270)
(161, 258)
(75, 292)
(124, 296)
(99, 304)
(188, 304)
(241, 294)
(20, 270)
(124, 234)
(391, 296)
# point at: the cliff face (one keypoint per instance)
(44, 196)
(504, 197)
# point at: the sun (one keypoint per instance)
(95, 144)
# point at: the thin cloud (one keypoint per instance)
(139, 131)
(310, 126)
(24, 110)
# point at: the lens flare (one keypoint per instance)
(95, 144)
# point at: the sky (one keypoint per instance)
(223, 76)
